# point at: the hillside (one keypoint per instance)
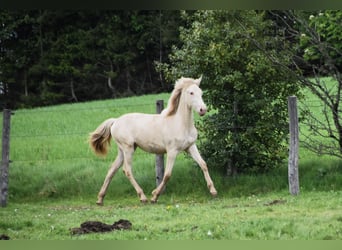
(51, 157)
(55, 178)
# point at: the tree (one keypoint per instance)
(317, 54)
(52, 56)
(17, 52)
(247, 94)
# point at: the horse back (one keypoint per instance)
(142, 130)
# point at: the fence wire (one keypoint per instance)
(38, 140)
(54, 141)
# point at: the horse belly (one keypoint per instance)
(150, 138)
(143, 130)
(152, 147)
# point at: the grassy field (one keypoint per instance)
(313, 215)
(54, 180)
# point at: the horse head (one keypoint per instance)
(193, 97)
(188, 89)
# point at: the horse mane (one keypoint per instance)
(176, 94)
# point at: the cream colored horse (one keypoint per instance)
(170, 132)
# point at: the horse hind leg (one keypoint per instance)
(128, 154)
(171, 157)
(111, 172)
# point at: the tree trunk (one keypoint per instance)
(41, 35)
(109, 78)
(72, 88)
(231, 168)
(160, 47)
(25, 82)
(128, 80)
(338, 125)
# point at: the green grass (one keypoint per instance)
(309, 216)
(55, 178)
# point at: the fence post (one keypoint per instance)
(5, 157)
(294, 145)
(159, 157)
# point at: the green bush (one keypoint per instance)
(247, 94)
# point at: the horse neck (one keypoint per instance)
(185, 115)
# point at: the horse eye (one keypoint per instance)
(191, 93)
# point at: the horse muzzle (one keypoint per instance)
(202, 111)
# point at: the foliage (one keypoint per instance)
(317, 36)
(247, 93)
(323, 51)
(53, 56)
(321, 38)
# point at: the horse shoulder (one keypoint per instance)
(180, 138)
(192, 135)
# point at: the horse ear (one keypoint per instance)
(198, 81)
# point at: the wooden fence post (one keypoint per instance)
(5, 157)
(294, 145)
(159, 158)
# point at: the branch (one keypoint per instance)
(327, 95)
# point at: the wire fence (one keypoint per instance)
(52, 131)
(60, 134)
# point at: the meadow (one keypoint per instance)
(55, 178)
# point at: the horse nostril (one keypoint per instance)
(202, 111)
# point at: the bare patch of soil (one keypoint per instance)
(4, 237)
(275, 202)
(99, 227)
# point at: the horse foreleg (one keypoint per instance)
(171, 157)
(193, 151)
(111, 172)
(128, 153)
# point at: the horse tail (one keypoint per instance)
(99, 140)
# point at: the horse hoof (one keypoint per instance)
(144, 201)
(213, 194)
(153, 201)
(99, 203)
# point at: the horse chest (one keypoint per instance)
(184, 140)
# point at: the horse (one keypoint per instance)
(171, 132)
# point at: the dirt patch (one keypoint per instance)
(4, 237)
(275, 202)
(99, 227)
